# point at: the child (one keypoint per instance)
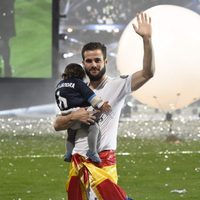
(71, 94)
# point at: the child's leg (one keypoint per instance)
(92, 143)
(69, 144)
(68, 153)
(93, 136)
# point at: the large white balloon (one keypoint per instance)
(176, 41)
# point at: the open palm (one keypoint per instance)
(143, 27)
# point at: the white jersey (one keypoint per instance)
(113, 90)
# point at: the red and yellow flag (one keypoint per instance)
(102, 178)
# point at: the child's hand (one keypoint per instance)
(105, 107)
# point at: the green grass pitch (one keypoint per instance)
(32, 168)
(31, 48)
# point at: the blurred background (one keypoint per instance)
(38, 39)
(158, 147)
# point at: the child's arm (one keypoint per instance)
(98, 103)
(95, 101)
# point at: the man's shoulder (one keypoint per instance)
(117, 78)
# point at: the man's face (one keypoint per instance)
(94, 64)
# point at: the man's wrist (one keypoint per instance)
(73, 117)
(147, 39)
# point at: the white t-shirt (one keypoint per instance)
(113, 90)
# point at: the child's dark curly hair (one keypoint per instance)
(74, 70)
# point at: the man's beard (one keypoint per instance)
(96, 77)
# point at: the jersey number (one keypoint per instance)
(62, 102)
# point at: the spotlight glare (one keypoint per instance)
(63, 36)
(69, 30)
(67, 55)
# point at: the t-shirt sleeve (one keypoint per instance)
(122, 86)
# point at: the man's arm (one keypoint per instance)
(143, 29)
(63, 122)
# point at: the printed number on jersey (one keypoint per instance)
(61, 101)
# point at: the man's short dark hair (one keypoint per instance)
(74, 70)
(93, 46)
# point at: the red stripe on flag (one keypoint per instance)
(110, 191)
(74, 190)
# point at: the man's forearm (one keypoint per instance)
(63, 122)
(139, 78)
(148, 60)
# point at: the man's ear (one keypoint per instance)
(106, 61)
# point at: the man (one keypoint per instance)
(7, 31)
(85, 177)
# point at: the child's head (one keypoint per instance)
(74, 70)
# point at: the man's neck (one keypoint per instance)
(95, 84)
